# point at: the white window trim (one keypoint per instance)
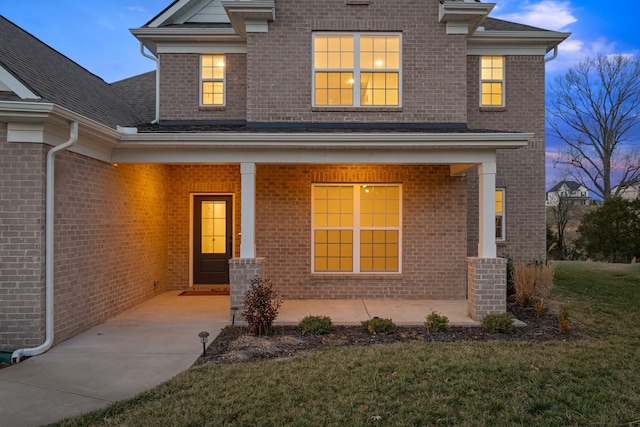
(503, 214)
(356, 229)
(224, 81)
(356, 69)
(503, 81)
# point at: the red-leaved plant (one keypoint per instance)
(261, 306)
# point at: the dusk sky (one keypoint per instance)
(95, 33)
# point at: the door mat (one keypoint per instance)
(201, 293)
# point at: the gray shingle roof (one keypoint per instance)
(140, 93)
(494, 24)
(59, 80)
(572, 185)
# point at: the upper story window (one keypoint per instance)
(212, 79)
(492, 81)
(500, 228)
(356, 69)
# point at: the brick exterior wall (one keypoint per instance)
(185, 180)
(110, 240)
(280, 62)
(433, 232)
(22, 190)
(487, 286)
(522, 171)
(180, 88)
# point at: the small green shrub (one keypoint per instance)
(437, 322)
(379, 326)
(497, 323)
(315, 325)
(261, 306)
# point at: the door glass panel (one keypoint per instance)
(214, 230)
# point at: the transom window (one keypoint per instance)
(356, 69)
(212, 76)
(356, 228)
(500, 214)
(492, 81)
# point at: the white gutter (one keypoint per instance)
(554, 56)
(49, 236)
(153, 58)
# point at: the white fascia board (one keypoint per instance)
(327, 140)
(175, 10)
(180, 155)
(45, 123)
(152, 38)
(13, 84)
(203, 47)
(523, 40)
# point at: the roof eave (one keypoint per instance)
(548, 39)
(151, 37)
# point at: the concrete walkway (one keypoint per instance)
(151, 343)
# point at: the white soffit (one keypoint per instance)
(8, 82)
(489, 42)
(206, 11)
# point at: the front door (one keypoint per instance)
(212, 239)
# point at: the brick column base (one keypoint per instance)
(487, 286)
(241, 272)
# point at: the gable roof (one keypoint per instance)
(57, 79)
(571, 185)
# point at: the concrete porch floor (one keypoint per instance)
(354, 311)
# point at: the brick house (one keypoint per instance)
(342, 148)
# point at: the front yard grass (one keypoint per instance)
(584, 382)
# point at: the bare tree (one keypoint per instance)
(595, 110)
(567, 211)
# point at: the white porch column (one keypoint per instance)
(487, 210)
(248, 214)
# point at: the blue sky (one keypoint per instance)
(96, 35)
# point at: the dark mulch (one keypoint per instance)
(236, 344)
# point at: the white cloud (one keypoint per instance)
(548, 14)
(135, 8)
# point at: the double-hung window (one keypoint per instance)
(492, 81)
(356, 228)
(356, 69)
(500, 228)
(212, 80)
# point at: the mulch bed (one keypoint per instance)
(236, 344)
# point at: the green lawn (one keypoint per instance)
(585, 382)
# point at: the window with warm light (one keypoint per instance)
(212, 76)
(500, 235)
(356, 69)
(356, 228)
(492, 81)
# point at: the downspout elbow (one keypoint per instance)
(552, 57)
(153, 58)
(18, 355)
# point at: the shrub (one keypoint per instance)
(379, 326)
(612, 232)
(497, 323)
(436, 322)
(261, 306)
(315, 325)
(563, 321)
(511, 287)
(533, 282)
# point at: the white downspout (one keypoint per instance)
(49, 237)
(554, 56)
(153, 58)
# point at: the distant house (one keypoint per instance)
(342, 148)
(576, 192)
(629, 190)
